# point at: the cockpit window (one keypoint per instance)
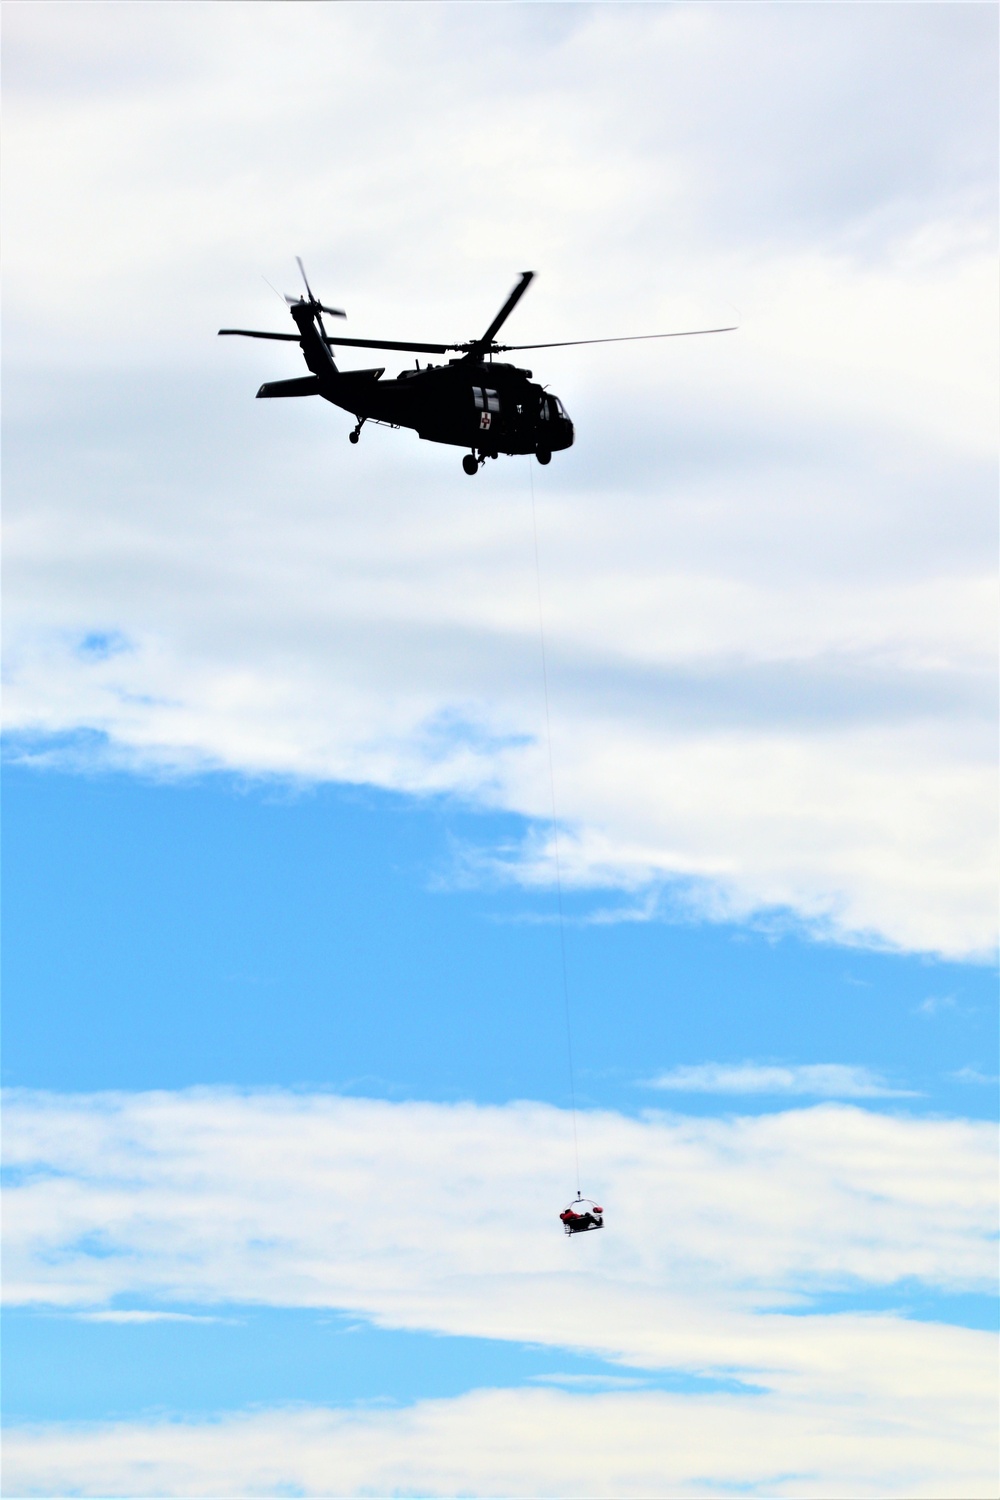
(486, 400)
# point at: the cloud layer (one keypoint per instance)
(935, 1444)
(766, 566)
(720, 1235)
(176, 1197)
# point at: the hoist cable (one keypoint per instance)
(555, 832)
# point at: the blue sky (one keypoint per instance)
(287, 1123)
(170, 934)
(217, 931)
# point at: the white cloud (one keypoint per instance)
(443, 1218)
(427, 1216)
(931, 1442)
(767, 564)
(819, 1080)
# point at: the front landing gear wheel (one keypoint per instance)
(470, 464)
(352, 437)
(544, 456)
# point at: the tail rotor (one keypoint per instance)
(311, 300)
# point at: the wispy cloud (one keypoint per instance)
(813, 1080)
(144, 1315)
(935, 1004)
(390, 1212)
(590, 1382)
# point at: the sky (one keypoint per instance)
(288, 1113)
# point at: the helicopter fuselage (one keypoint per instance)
(480, 404)
(490, 407)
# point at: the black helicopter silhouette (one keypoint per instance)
(473, 402)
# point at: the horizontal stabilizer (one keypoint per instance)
(362, 375)
(306, 385)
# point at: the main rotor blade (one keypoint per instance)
(335, 312)
(335, 338)
(305, 278)
(527, 277)
(252, 333)
(628, 338)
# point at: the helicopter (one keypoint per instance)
(474, 401)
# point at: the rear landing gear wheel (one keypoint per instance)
(544, 456)
(352, 437)
(470, 464)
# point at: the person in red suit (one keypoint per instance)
(582, 1214)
